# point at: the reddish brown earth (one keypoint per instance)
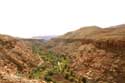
(16, 57)
(96, 54)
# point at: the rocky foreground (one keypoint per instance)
(16, 61)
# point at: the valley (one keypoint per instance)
(88, 55)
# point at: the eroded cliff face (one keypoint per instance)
(98, 56)
(15, 57)
(99, 65)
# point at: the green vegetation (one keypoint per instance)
(55, 68)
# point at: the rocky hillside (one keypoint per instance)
(96, 54)
(83, 32)
(16, 59)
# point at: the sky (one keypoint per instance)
(27, 18)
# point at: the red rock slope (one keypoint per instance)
(15, 57)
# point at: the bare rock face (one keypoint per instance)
(16, 57)
(99, 65)
(98, 55)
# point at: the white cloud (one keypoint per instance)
(26, 18)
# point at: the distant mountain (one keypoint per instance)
(81, 33)
(44, 37)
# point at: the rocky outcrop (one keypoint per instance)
(16, 57)
(99, 65)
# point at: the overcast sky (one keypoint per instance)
(27, 18)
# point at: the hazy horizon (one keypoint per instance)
(28, 18)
